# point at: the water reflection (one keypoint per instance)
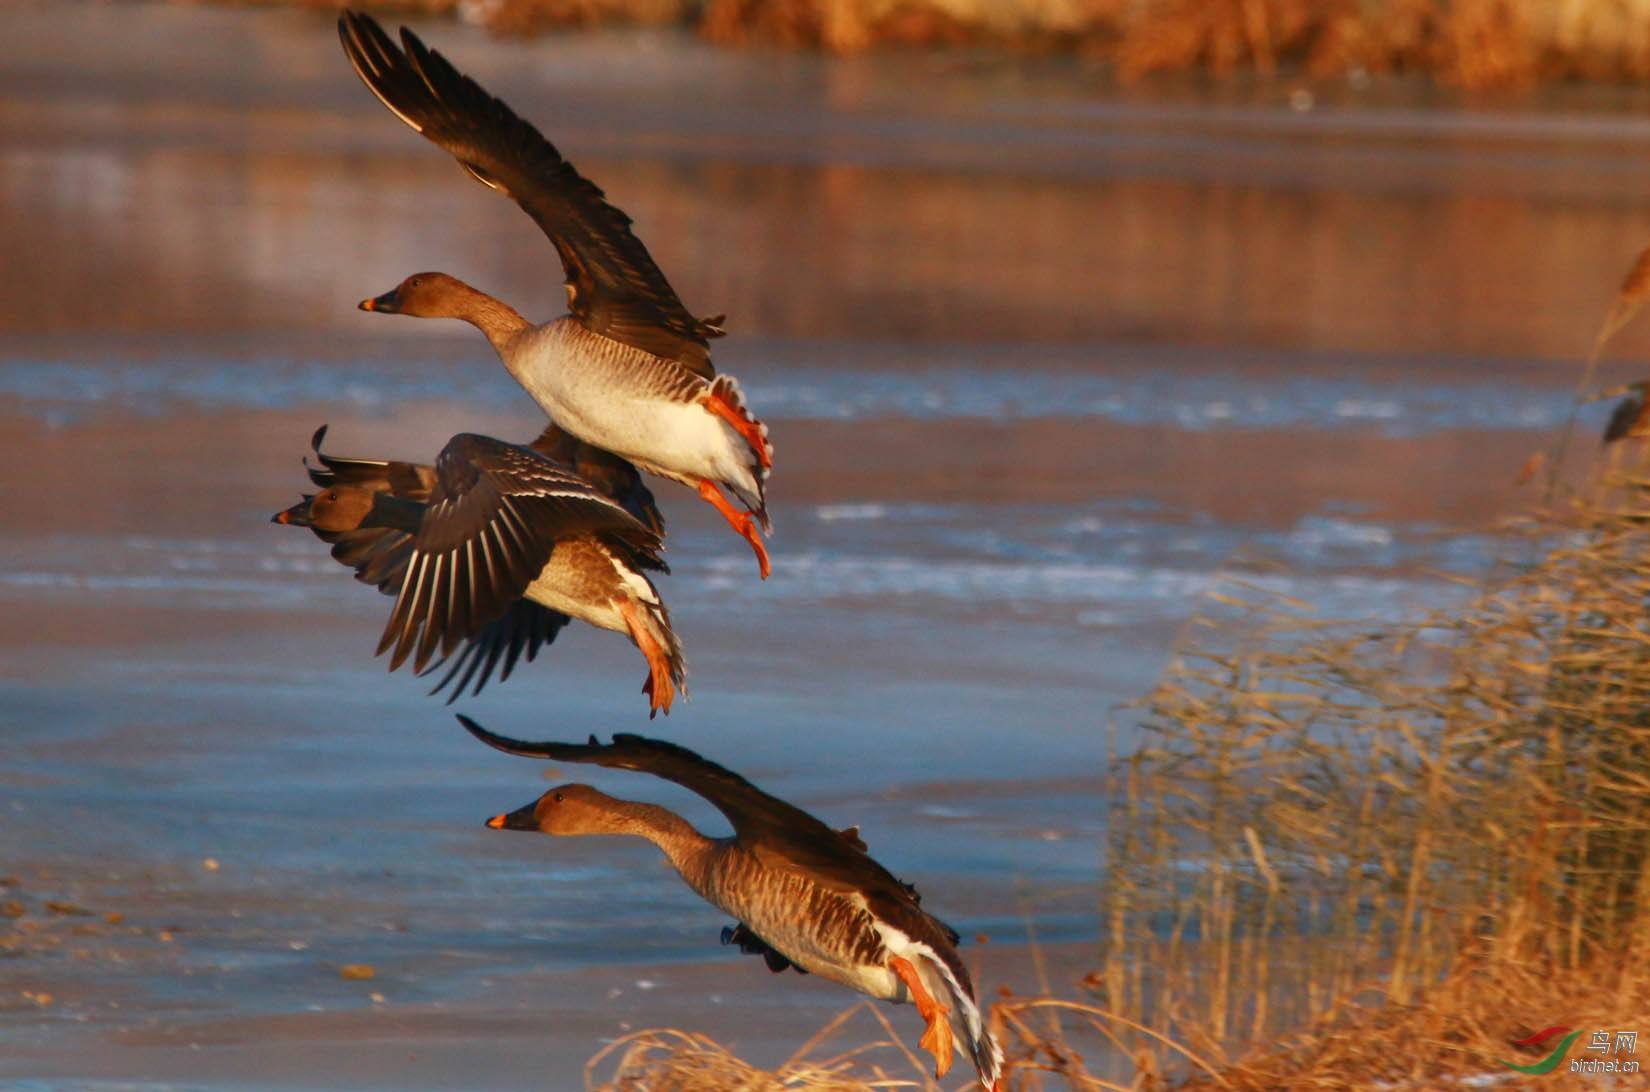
(149, 211)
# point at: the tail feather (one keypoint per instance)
(726, 387)
(983, 1050)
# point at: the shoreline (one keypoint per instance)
(1514, 44)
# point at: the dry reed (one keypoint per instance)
(1469, 43)
(669, 1060)
(1438, 831)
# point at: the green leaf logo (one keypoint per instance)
(1550, 1062)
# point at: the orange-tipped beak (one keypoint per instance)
(523, 818)
(296, 516)
(387, 304)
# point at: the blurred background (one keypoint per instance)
(1058, 325)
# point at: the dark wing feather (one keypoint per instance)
(614, 475)
(523, 629)
(1624, 417)
(781, 834)
(380, 555)
(411, 481)
(495, 515)
(614, 287)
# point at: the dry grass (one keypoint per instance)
(520, 17)
(1419, 842)
(1469, 43)
(668, 1060)
(1453, 1036)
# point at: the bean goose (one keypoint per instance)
(495, 548)
(809, 894)
(627, 368)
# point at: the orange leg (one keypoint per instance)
(658, 687)
(742, 424)
(739, 521)
(937, 1039)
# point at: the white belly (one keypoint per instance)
(598, 390)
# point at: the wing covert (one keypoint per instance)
(614, 286)
(495, 515)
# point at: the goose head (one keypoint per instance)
(340, 508)
(570, 809)
(425, 295)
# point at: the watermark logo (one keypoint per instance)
(1615, 1048)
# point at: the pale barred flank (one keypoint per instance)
(637, 405)
(813, 926)
(627, 370)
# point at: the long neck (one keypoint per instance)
(495, 318)
(689, 851)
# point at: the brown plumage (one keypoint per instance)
(808, 894)
(493, 549)
(1630, 420)
(628, 369)
(613, 285)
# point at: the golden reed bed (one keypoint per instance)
(1467, 43)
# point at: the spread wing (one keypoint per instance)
(495, 514)
(523, 629)
(781, 834)
(379, 556)
(411, 481)
(1624, 417)
(612, 474)
(614, 287)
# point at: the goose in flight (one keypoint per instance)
(495, 548)
(808, 894)
(628, 367)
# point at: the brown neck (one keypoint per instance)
(688, 850)
(498, 320)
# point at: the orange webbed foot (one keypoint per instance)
(937, 1041)
(654, 704)
(658, 687)
(754, 537)
(742, 522)
(936, 1037)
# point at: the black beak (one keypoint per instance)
(296, 516)
(520, 819)
(389, 303)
